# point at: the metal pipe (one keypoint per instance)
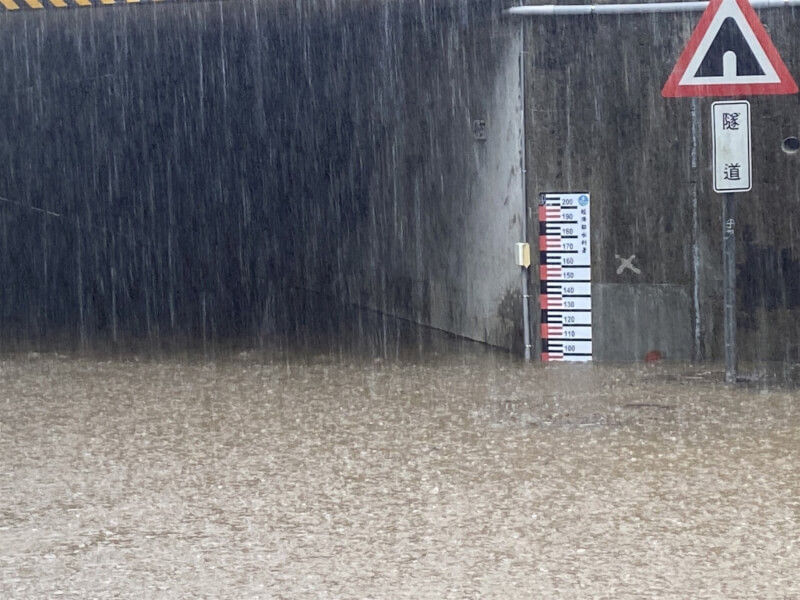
(639, 8)
(695, 110)
(729, 283)
(526, 319)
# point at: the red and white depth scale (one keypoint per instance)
(565, 275)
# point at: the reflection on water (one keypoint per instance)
(462, 475)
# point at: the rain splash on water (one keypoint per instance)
(466, 474)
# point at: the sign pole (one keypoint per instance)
(729, 283)
(732, 170)
(729, 53)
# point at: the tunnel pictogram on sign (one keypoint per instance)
(729, 54)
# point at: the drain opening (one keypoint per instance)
(791, 145)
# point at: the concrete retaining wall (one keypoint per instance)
(597, 122)
(229, 169)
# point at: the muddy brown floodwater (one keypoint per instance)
(458, 476)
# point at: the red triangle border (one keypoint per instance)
(786, 85)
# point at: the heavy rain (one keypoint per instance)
(261, 327)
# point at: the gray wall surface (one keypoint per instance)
(597, 122)
(224, 169)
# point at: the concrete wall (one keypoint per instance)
(597, 122)
(444, 207)
(230, 169)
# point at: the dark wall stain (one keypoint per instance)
(769, 278)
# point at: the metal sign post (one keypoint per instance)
(729, 283)
(732, 173)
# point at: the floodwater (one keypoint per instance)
(463, 475)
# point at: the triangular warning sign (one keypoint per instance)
(729, 54)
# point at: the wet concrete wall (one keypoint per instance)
(233, 168)
(597, 123)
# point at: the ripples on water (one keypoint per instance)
(457, 476)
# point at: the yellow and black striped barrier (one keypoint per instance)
(9, 5)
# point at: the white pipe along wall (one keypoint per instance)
(617, 9)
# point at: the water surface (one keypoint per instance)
(462, 475)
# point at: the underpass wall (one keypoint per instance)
(231, 169)
(445, 201)
(597, 122)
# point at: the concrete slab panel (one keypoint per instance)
(631, 320)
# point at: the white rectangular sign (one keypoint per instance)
(730, 123)
(565, 272)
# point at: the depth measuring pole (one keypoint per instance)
(730, 122)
